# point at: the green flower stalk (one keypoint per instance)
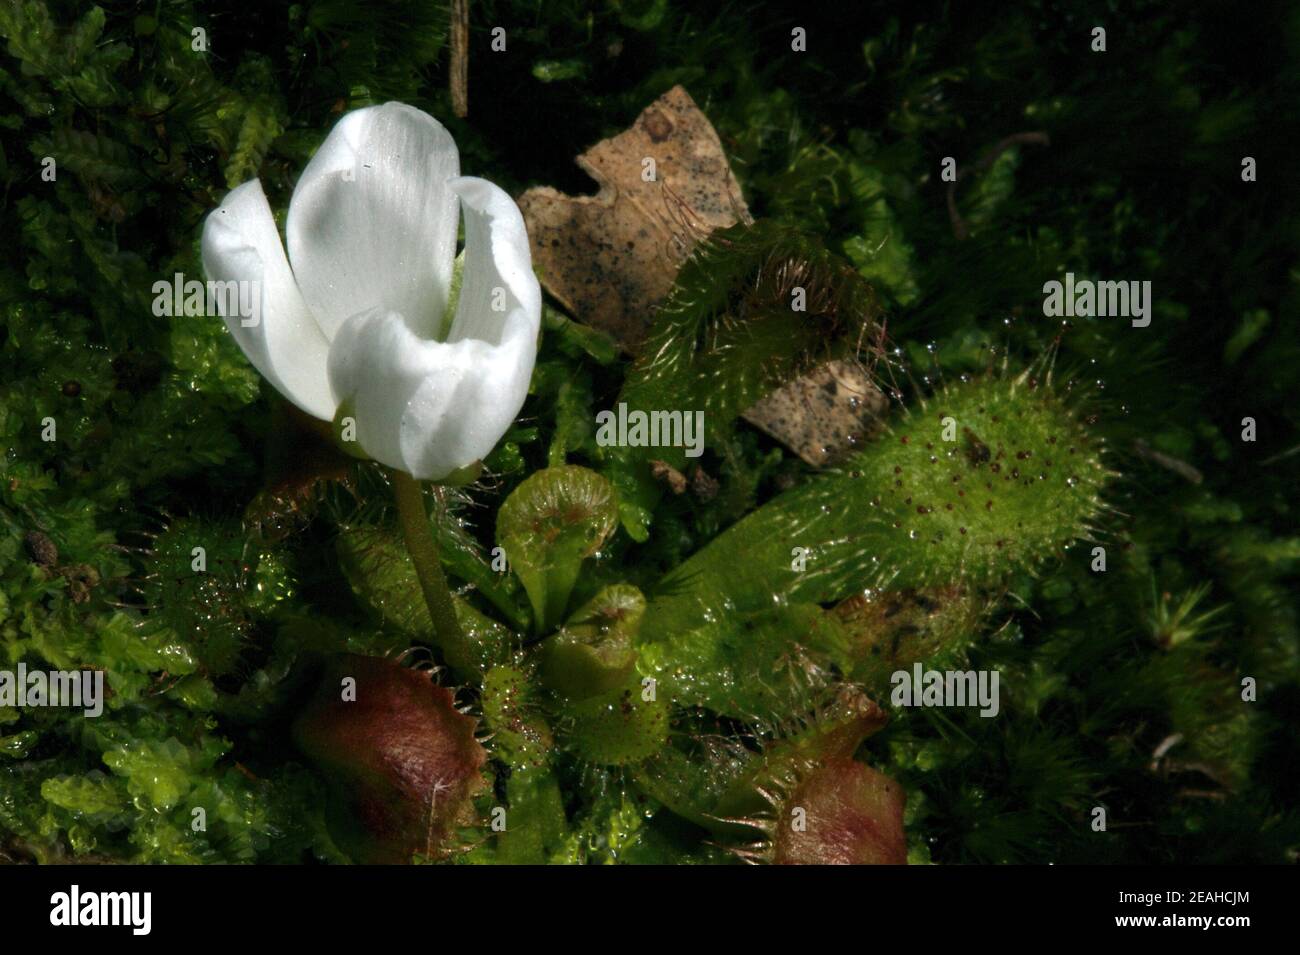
(423, 548)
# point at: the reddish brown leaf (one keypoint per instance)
(403, 764)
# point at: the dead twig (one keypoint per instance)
(459, 79)
(1179, 467)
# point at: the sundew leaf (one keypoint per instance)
(691, 775)
(388, 746)
(889, 630)
(1018, 482)
(618, 728)
(752, 308)
(853, 814)
(762, 665)
(201, 582)
(537, 827)
(548, 526)
(594, 650)
(520, 736)
(383, 579)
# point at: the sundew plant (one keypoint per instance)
(879, 446)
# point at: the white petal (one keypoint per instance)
(372, 223)
(499, 293)
(241, 244)
(428, 408)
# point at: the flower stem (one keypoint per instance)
(423, 549)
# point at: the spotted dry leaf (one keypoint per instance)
(669, 475)
(825, 414)
(611, 258)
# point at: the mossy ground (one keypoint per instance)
(1123, 688)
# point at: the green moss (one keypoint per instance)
(165, 435)
(202, 582)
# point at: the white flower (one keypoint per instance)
(359, 320)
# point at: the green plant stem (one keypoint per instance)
(420, 543)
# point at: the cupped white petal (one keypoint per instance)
(499, 294)
(428, 408)
(372, 222)
(431, 408)
(282, 339)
